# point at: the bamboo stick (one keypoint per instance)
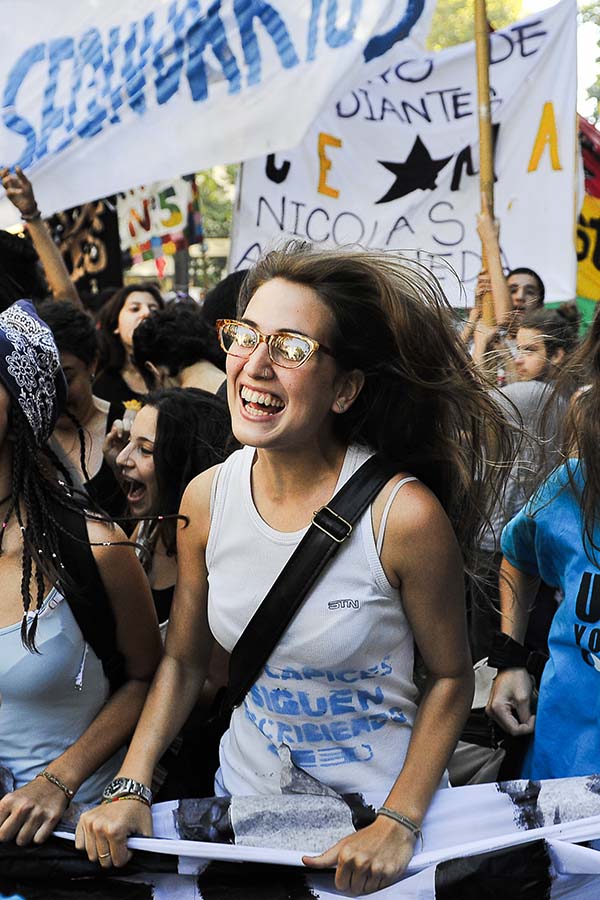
(486, 155)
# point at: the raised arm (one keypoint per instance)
(510, 700)
(32, 812)
(20, 192)
(488, 231)
(421, 556)
(174, 690)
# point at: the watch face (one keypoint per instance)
(119, 787)
(115, 787)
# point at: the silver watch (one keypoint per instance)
(127, 787)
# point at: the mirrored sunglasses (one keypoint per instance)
(285, 348)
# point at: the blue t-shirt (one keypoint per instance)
(546, 538)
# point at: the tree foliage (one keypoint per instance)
(216, 189)
(453, 20)
(591, 13)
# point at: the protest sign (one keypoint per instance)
(393, 162)
(99, 97)
(159, 219)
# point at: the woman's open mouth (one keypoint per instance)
(260, 404)
(135, 490)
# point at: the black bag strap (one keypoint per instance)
(330, 527)
(87, 597)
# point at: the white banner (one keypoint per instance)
(393, 164)
(100, 97)
(500, 841)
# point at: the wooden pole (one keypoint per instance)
(486, 154)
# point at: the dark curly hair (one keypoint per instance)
(20, 272)
(176, 337)
(73, 329)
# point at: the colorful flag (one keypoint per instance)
(588, 231)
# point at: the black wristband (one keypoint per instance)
(506, 653)
(34, 216)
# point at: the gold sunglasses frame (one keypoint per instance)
(267, 339)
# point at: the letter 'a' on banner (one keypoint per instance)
(392, 161)
(97, 98)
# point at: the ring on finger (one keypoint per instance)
(104, 855)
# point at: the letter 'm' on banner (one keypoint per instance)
(547, 135)
(326, 140)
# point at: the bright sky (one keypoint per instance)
(587, 53)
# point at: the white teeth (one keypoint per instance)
(263, 399)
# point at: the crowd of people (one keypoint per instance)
(161, 463)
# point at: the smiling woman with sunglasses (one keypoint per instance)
(335, 355)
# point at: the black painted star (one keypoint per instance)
(418, 172)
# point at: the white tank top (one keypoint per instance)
(338, 688)
(48, 699)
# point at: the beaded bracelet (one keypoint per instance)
(69, 794)
(127, 797)
(402, 820)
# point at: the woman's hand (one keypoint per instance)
(32, 812)
(116, 439)
(510, 703)
(19, 191)
(488, 228)
(483, 287)
(485, 340)
(370, 859)
(102, 832)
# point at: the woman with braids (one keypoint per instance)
(334, 355)
(81, 429)
(556, 538)
(118, 379)
(65, 711)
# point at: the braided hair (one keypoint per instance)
(36, 491)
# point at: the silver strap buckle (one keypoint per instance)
(321, 527)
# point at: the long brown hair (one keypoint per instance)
(581, 431)
(424, 405)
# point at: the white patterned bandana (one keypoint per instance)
(30, 367)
